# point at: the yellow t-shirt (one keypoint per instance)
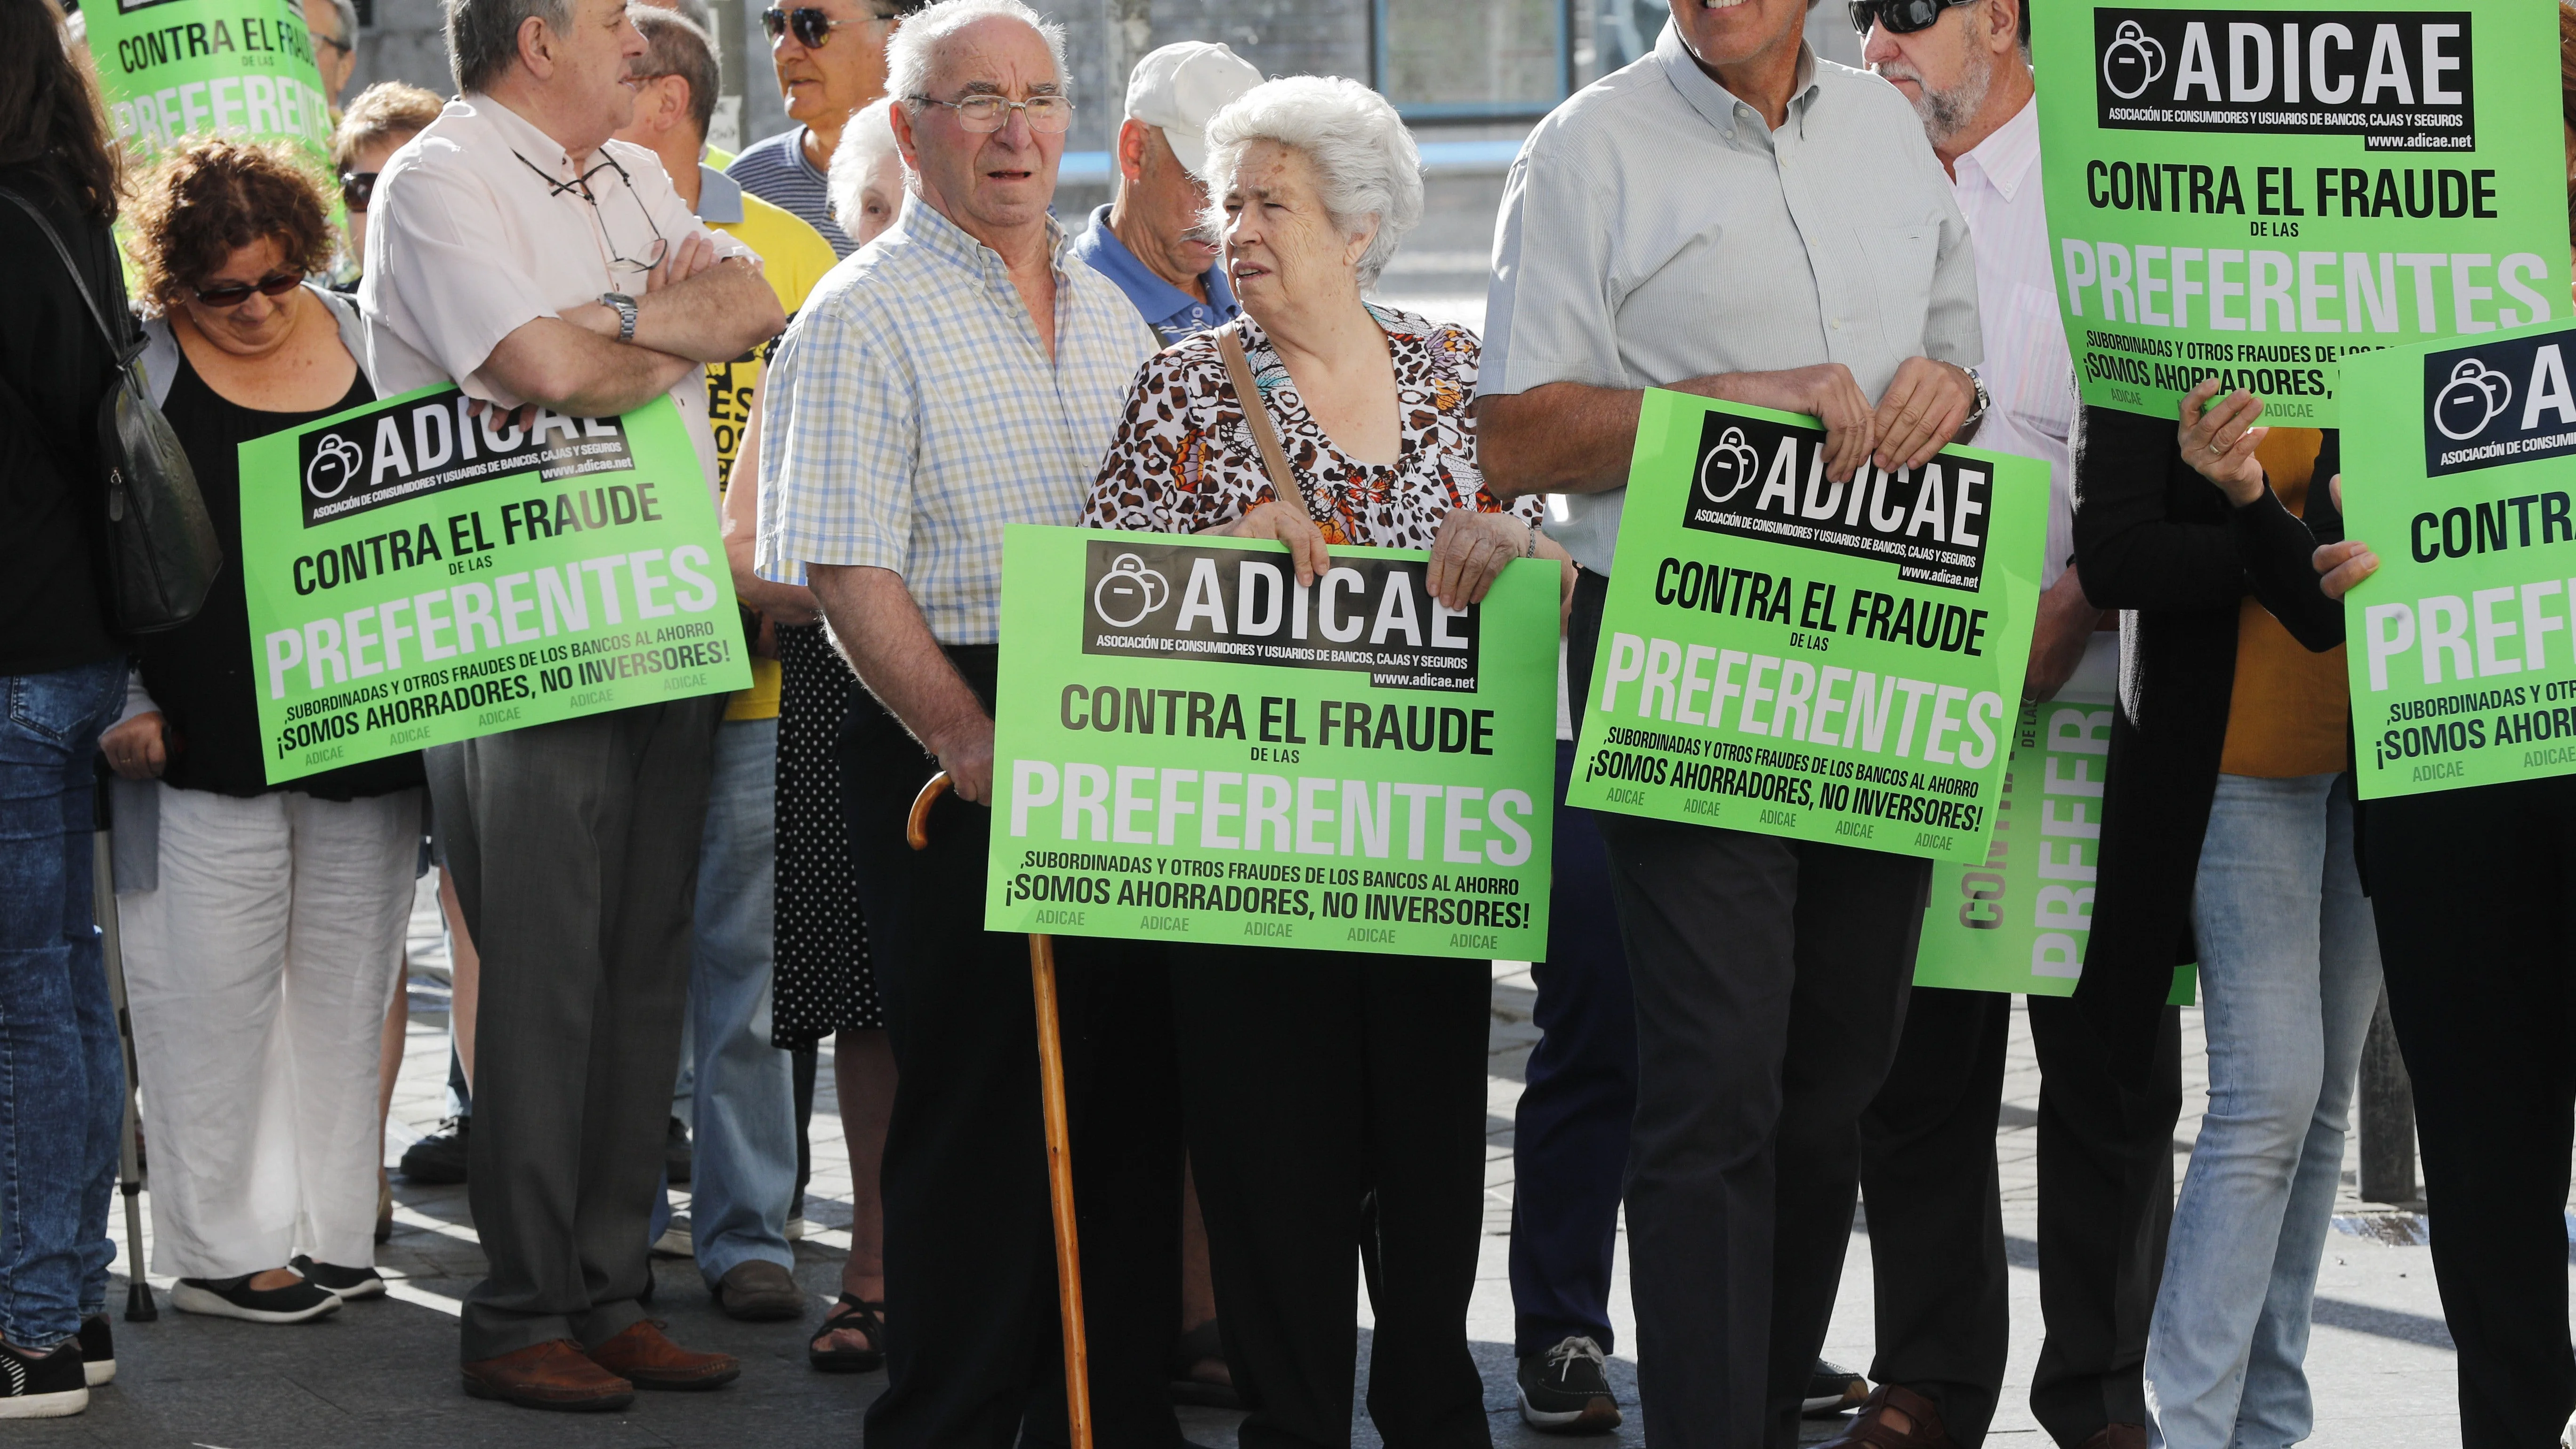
(2288, 714)
(794, 257)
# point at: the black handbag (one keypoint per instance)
(162, 550)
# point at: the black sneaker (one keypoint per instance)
(49, 1387)
(349, 1283)
(439, 1158)
(1566, 1390)
(235, 1298)
(1832, 1390)
(675, 1151)
(98, 1350)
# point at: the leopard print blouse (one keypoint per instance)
(1184, 461)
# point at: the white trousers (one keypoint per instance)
(259, 974)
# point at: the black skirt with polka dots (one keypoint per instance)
(824, 981)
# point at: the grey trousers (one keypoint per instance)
(574, 847)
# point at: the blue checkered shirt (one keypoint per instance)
(911, 414)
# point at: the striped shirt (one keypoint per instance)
(776, 171)
(911, 414)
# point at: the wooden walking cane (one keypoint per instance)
(1059, 1143)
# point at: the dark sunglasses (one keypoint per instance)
(812, 27)
(1901, 17)
(233, 294)
(357, 188)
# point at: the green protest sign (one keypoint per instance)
(2258, 194)
(173, 68)
(2460, 459)
(1793, 656)
(419, 575)
(1191, 746)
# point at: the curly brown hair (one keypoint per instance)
(193, 209)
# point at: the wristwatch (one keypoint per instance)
(625, 306)
(1975, 378)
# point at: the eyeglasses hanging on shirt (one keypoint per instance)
(983, 115)
(654, 251)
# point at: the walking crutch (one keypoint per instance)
(1059, 1143)
(139, 1307)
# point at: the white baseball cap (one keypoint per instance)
(1180, 86)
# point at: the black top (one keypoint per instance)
(53, 612)
(200, 673)
(2163, 545)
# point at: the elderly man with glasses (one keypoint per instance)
(332, 26)
(831, 60)
(520, 253)
(962, 374)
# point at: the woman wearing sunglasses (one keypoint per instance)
(261, 956)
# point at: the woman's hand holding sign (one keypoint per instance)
(2219, 441)
(1288, 525)
(2343, 564)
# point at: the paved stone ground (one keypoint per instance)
(383, 1373)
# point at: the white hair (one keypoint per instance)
(1364, 158)
(911, 55)
(866, 141)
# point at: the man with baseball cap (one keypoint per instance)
(1151, 239)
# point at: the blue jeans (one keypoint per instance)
(62, 1070)
(742, 1104)
(2289, 968)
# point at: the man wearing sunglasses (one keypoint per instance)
(1928, 1143)
(332, 26)
(1734, 217)
(517, 251)
(831, 59)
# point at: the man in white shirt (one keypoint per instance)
(1928, 1141)
(517, 251)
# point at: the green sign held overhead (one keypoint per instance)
(418, 574)
(1792, 656)
(173, 68)
(2460, 461)
(2258, 194)
(1191, 746)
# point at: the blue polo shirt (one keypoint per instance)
(1171, 312)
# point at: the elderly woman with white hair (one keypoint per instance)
(1315, 181)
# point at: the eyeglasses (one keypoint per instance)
(357, 188)
(812, 27)
(233, 294)
(1901, 17)
(336, 43)
(580, 186)
(1048, 115)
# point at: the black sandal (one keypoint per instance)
(860, 1314)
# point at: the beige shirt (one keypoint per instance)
(481, 224)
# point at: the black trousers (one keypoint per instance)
(574, 847)
(1333, 1098)
(2475, 892)
(1770, 978)
(974, 1355)
(1936, 1214)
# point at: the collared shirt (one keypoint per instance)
(1654, 229)
(481, 224)
(2027, 371)
(1171, 312)
(793, 257)
(912, 413)
(776, 171)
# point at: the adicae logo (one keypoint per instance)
(336, 464)
(1729, 467)
(1129, 592)
(2471, 400)
(2132, 61)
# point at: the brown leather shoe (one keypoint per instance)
(1870, 1429)
(550, 1375)
(641, 1353)
(2119, 1436)
(759, 1291)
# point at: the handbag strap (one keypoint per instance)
(1256, 413)
(122, 351)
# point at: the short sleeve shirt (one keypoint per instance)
(1184, 459)
(1654, 229)
(481, 224)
